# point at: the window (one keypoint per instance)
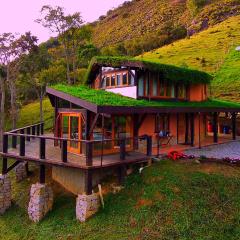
(141, 86)
(125, 78)
(119, 78)
(107, 81)
(113, 80)
(131, 78)
(155, 86)
(162, 123)
(161, 88)
(181, 91)
(104, 82)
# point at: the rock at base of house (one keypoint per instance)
(21, 171)
(87, 206)
(5, 193)
(41, 201)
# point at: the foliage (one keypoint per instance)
(226, 83)
(169, 200)
(104, 98)
(169, 73)
(195, 5)
(86, 53)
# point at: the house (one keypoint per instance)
(131, 110)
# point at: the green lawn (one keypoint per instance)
(30, 114)
(169, 201)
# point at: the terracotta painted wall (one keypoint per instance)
(197, 92)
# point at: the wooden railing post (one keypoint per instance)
(42, 174)
(234, 126)
(89, 153)
(64, 151)
(149, 145)
(42, 128)
(14, 141)
(215, 127)
(22, 144)
(5, 150)
(122, 149)
(42, 150)
(28, 133)
(38, 130)
(33, 131)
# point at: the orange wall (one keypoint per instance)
(197, 92)
(148, 127)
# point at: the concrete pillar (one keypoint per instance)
(5, 193)
(21, 171)
(41, 201)
(87, 206)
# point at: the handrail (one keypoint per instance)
(69, 139)
(23, 128)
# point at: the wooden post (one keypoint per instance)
(88, 182)
(42, 177)
(177, 128)
(215, 127)
(42, 128)
(28, 133)
(89, 153)
(42, 150)
(5, 150)
(14, 141)
(149, 146)
(64, 151)
(123, 149)
(38, 130)
(135, 131)
(186, 128)
(199, 130)
(33, 131)
(234, 126)
(22, 144)
(192, 129)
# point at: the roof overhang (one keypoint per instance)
(53, 94)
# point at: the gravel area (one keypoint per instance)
(225, 150)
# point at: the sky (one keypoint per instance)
(17, 16)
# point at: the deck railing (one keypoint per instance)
(35, 132)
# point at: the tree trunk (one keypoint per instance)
(13, 93)
(2, 110)
(67, 63)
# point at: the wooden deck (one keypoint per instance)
(53, 156)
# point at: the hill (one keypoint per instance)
(145, 24)
(170, 200)
(213, 51)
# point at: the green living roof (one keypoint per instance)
(169, 73)
(104, 98)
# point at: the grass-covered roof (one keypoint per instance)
(169, 73)
(104, 98)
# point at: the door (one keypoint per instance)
(72, 129)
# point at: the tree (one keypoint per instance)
(86, 53)
(65, 26)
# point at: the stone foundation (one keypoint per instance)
(87, 205)
(20, 171)
(41, 201)
(5, 193)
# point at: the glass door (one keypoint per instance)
(71, 129)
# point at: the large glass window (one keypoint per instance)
(113, 80)
(181, 91)
(141, 86)
(161, 88)
(155, 86)
(131, 78)
(119, 78)
(124, 82)
(162, 124)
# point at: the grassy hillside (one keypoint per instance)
(204, 51)
(141, 18)
(226, 84)
(212, 50)
(30, 114)
(170, 200)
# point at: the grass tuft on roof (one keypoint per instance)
(169, 73)
(104, 98)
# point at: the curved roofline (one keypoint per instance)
(169, 72)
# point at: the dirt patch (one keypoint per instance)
(144, 203)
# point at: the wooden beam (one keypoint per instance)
(42, 177)
(215, 127)
(186, 128)
(93, 125)
(234, 126)
(13, 166)
(192, 129)
(88, 182)
(199, 130)
(177, 128)
(5, 150)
